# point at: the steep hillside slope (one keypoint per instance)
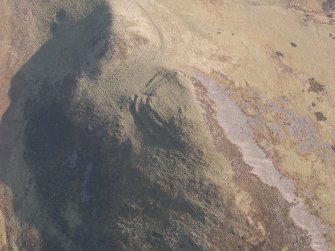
(167, 125)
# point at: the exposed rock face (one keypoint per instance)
(138, 125)
(328, 5)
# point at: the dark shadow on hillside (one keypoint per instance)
(39, 94)
(94, 192)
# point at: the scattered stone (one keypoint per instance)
(315, 86)
(293, 44)
(279, 54)
(333, 147)
(320, 117)
(313, 104)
